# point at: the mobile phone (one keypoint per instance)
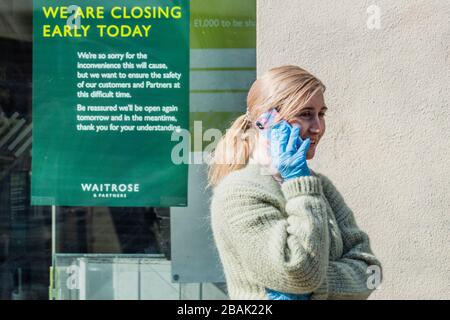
(266, 122)
(267, 119)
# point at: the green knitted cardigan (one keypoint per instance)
(295, 237)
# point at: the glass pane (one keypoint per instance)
(25, 233)
(115, 252)
(113, 230)
(113, 277)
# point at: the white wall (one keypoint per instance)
(387, 145)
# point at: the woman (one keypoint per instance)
(282, 230)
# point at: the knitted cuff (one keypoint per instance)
(321, 293)
(301, 186)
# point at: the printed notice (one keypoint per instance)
(110, 86)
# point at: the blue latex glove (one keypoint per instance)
(288, 150)
(275, 295)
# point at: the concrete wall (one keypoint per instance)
(387, 145)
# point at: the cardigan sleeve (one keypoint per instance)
(348, 277)
(284, 252)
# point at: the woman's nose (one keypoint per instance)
(315, 126)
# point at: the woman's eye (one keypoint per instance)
(310, 115)
(306, 114)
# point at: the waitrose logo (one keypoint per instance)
(110, 190)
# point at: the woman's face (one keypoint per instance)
(311, 118)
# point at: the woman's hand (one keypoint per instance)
(288, 151)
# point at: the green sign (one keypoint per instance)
(223, 65)
(110, 86)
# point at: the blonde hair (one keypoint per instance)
(286, 88)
